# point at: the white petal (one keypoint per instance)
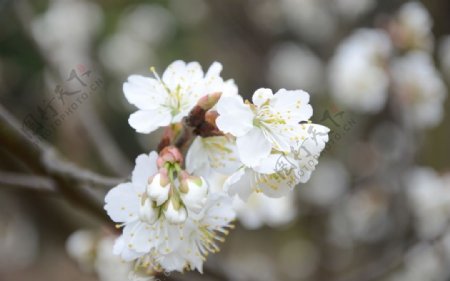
(147, 121)
(196, 157)
(270, 164)
(144, 92)
(261, 96)
(278, 185)
(145, 168)
(214, 70)
(240, 183)
(213, 154)
(138, 237)
(170, 237)
(195, 198)
(220, 210)
(307, 151)
(229, 88)
(194, 71)
(123, 251)
(122, 203)
(253, 147)
(278, 175)
(235, 117)
(147, 213)
(293, 105)
(157, 192)
(304, 175)
(314, 138)
(175, 216)
(249, 213)
(172, 74)
(172, 262)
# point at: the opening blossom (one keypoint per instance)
(268, 133)
(179, 202)
(164, 101)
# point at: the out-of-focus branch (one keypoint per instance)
(108, 150)
(32, 182)
(111, 155)
(67, 178)
(42, 157)
(56, 165)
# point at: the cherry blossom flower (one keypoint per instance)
(277, 174)
(429, 197)
(185, 247)
(262, 210)
(213, 154)
(269, 123)
(419, 88)
(164, 101)
(176, 209)
(168, 224)
(357, 75)
(412, 28)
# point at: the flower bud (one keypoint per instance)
(147, 213)
(158, 188)
(195, 196)
(209, 101)
(169, 154)
(175, 213)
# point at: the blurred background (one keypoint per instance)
(377, 206)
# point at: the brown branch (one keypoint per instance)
(56, 165)
(108, 150)
(35, 155)
(31, 182)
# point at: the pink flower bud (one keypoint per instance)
(169, 154)
(209, 101)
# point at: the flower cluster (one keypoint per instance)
(394, 62)
(177, 207)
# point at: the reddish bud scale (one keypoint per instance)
(195, 117)
(207, 130)
(169, 154)
(166, 138)
(209, 101)
(211, 117)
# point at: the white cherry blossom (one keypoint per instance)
(186, 246)
(262, 210)
(419, 89)
(413, 27)
(357, 76)
(164, 101)
(213, 154)
(277, 174)
(176, 209)
(269, 123)
(429, 198)
(172, 233)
